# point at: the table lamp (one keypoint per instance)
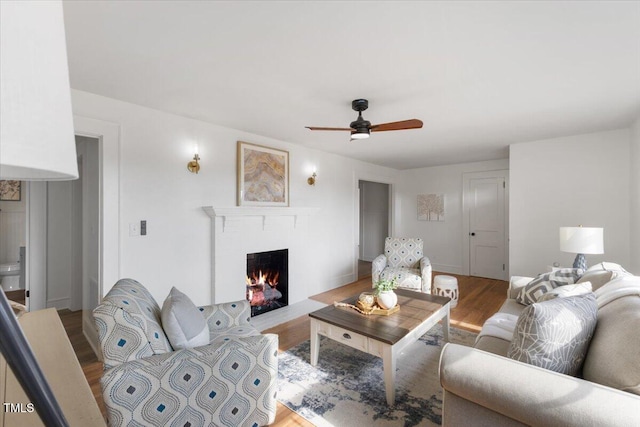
(581, 240)
(37, 143)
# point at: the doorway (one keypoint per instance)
(485, 235)
(374, 219)
(71, 223)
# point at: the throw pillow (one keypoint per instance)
(608, 266)
(598, 278)
(567, 291)
(555, 334)
(603, 273)
(183, 323)
(546, 282)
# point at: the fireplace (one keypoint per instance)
(267, 281)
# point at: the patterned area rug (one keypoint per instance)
(347, 386)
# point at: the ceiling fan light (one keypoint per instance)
(360, 134)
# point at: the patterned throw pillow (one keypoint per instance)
(567, 291)
(546, 282)
(555, 334)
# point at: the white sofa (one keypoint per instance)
(483, 387)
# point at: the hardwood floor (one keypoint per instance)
(479, 299)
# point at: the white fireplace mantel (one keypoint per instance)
(230, 213)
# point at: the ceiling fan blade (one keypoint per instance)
(405, 124)
(321, 128)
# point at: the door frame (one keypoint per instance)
(466, 193)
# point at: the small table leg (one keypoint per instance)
(389, 363)
(445, 323)
(315, 343)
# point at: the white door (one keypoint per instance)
(487, 254)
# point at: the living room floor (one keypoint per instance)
(479, 299)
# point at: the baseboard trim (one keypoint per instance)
(443, 268)
(58, 303)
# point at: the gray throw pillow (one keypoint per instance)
(555, 334)
(567, 291)
(183, 323)
(542, 284)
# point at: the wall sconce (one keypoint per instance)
(312, 179)
(193, 165)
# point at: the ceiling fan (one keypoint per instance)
(361, 128)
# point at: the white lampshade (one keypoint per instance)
(36, 127)
(582, 240)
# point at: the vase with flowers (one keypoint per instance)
(385, 296)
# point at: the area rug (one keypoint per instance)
(346, 388)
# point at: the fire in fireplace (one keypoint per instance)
(267, 281)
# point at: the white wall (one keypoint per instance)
(374, 218)
(570, 181)
(634, 265)
(442, 240)
(156, 186)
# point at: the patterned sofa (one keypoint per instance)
(483, 386)
(230, 382)
(403, 259)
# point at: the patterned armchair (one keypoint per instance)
(403, 259)
(230, 382)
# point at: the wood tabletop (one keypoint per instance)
(415, 308)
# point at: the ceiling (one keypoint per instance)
(480, 75)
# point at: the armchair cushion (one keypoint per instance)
(183, 323)
(406, 277)
(403, 252)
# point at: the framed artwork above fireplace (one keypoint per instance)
(263, 176)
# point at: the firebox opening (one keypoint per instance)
(267, 281)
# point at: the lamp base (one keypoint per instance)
(580, 262)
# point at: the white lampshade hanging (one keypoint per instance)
(36, 123)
